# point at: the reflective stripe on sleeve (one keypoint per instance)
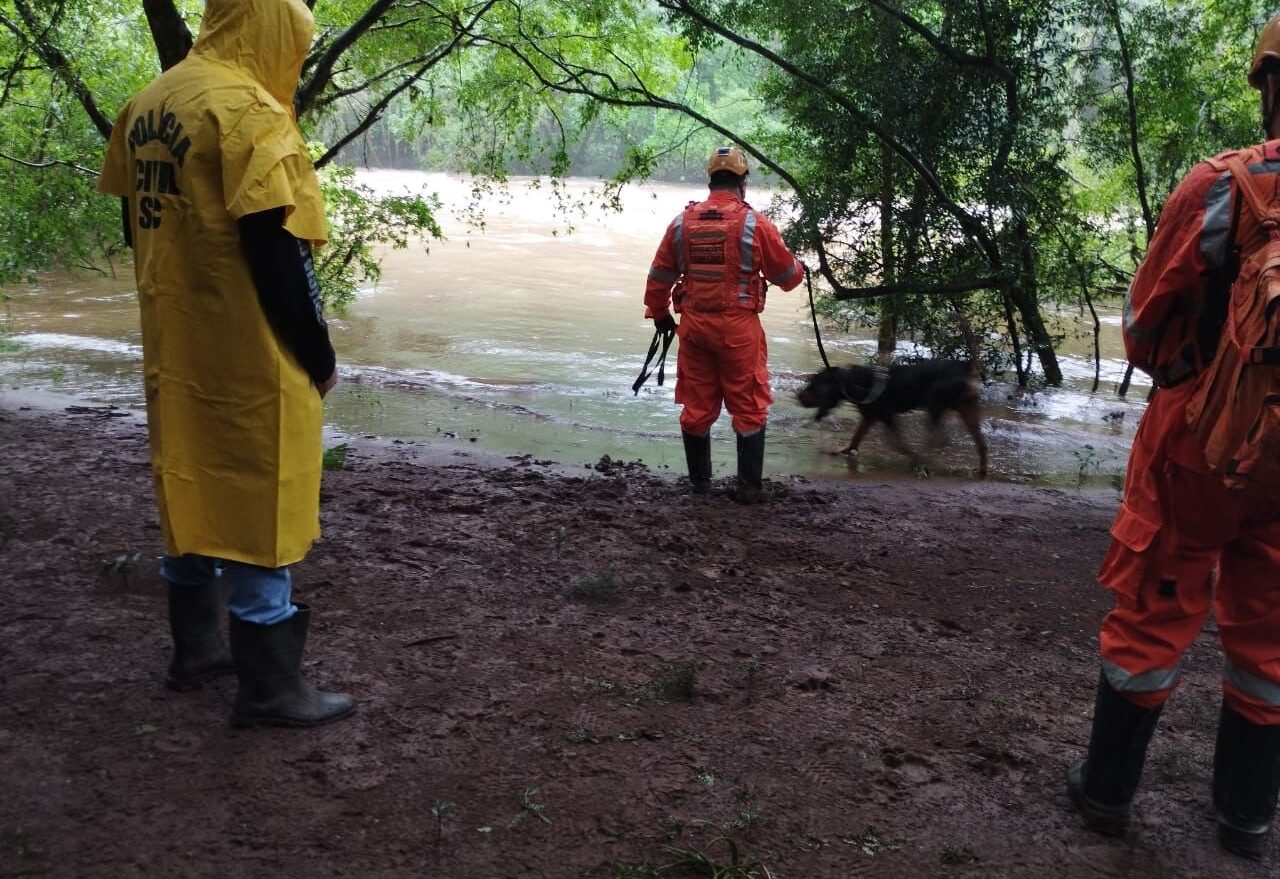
(1217, 221)
(1148, 682)
(1214, 234)
(658, 274)
(677, 238)
(745, 256)
(748, 242)
(1250, 684)
(790, 273)
(1131, 328)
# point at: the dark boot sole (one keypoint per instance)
(1247, 845)
(242, 721)
(1098, 818)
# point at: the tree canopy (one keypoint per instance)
(958, 169)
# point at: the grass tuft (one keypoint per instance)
(335, 457)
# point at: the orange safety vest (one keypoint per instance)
(715, 247)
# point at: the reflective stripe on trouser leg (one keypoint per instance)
(1154, 621)
(258, 595)
(1155, 681)
(1248, 611)
(1254, 698)
(1162, 592)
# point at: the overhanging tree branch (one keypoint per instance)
(987, 62)
(577, 80)
(52, 163)
(971, 225)
(57, 62)
(323, 66)
(376, 110)
(915, 288)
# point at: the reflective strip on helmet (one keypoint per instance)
(1148, 682)
(1251, 685)
(790, 273)
(746, 247)
(657, 274)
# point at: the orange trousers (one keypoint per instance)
(723, 359)
(1182, 542)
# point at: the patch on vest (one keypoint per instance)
(707, 249)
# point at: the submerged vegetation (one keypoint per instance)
(954, 169)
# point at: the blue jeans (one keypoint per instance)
(255, 595)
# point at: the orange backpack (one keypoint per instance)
(1235, 406)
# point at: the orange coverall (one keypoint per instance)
(714, 262)
(1181, 538)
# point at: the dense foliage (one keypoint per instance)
(962, 171)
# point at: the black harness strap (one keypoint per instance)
(660, 339)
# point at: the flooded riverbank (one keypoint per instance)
(525, 337)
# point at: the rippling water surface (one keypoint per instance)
(524, 336)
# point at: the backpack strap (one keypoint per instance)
(1268, 213)
(1267, 210)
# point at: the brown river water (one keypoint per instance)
(523, 337)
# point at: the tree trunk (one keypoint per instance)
(1012, 325)
(168, 30)
(1124, 382)
(1025, 299)
(887, 337)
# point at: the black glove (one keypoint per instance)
(665, 324)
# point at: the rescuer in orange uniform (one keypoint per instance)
(713, 265)
(1181, 538)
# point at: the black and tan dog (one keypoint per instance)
(882, 393)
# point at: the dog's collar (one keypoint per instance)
(878, 384)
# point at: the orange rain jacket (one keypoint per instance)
(1182, 540)
(714, 263)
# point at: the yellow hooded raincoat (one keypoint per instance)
(234, 420)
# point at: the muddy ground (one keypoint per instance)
(581, 673)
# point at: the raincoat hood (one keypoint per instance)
(268, 39)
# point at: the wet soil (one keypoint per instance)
(581, 674)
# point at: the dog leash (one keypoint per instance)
(660, 339)
(813, 310)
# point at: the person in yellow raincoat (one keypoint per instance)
(222, 208)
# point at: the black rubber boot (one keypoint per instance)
(200, 653)
(1246, 781)
(1102, 787)
(697, 455)
(272, 692)
(750, 468)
